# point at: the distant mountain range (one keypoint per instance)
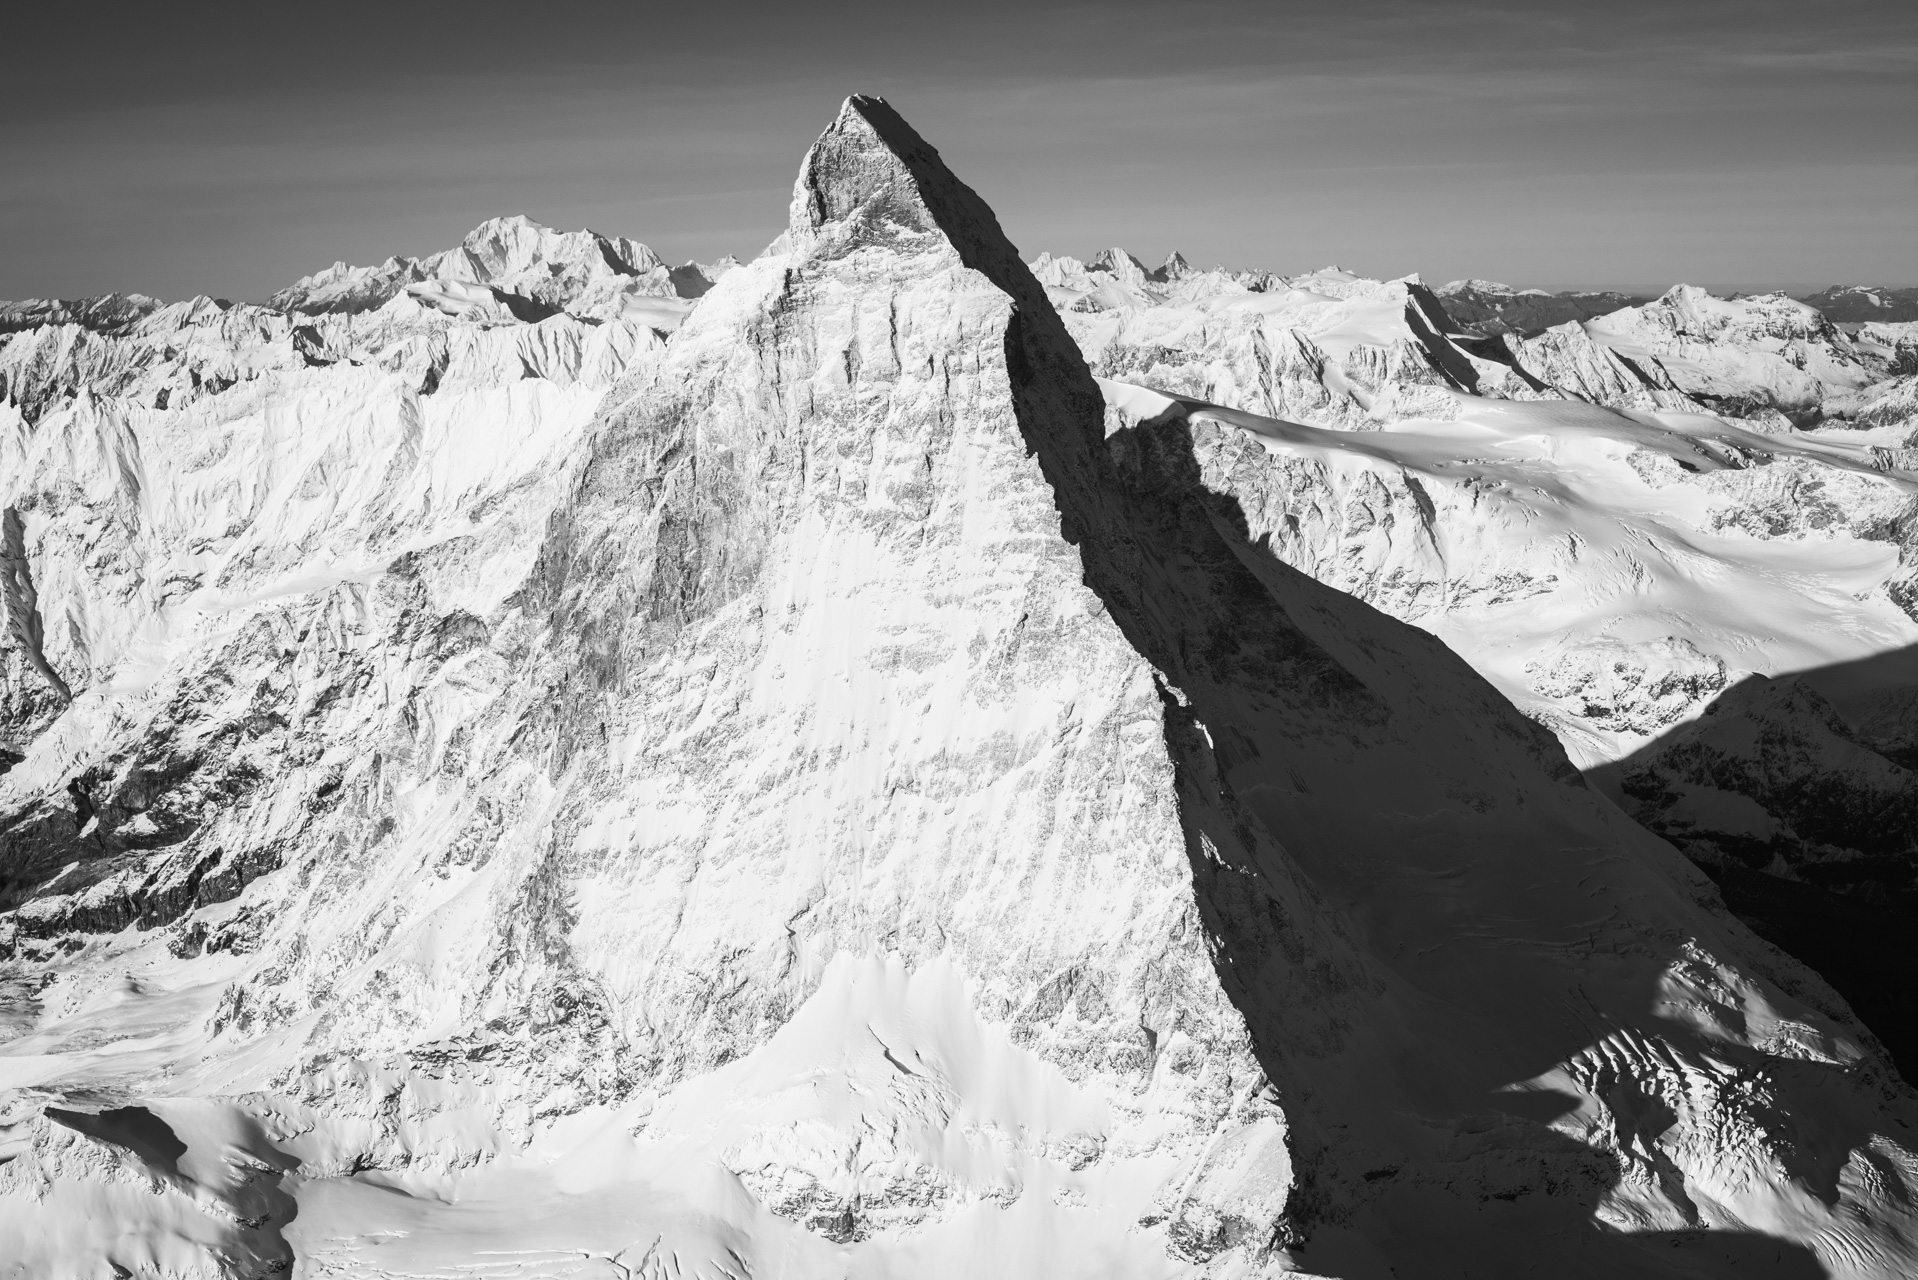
(1860, 302)
(1485, 307)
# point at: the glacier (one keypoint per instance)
(887, 760)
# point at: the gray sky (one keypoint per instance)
(228, 150)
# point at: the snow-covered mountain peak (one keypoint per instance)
(1745, 354)
(1121, 266)
(500, 248)
(1486, 288)
(1690, 312)
(859, 168)
(830, 794)
(513, 268)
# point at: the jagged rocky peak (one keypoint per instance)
(870, 175)
(871, 172)
(1121, 265)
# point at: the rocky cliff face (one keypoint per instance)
(821, 794)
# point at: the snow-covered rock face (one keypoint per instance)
(823, 794)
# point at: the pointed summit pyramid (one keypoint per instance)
(883, 825)
(871, 178)
(1173, 269)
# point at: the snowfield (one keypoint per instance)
(887, 761)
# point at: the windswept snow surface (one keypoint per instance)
(491, 790)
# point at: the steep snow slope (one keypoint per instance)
(838, 813)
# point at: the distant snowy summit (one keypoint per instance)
(517, 268)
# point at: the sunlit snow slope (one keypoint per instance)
(821, 795)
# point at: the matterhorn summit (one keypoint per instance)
(838, 785)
